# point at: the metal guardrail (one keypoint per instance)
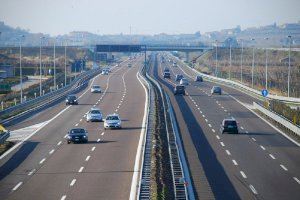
(48, 99)
(179, 183)
(242, 87)
(284, 122)
(4, 136)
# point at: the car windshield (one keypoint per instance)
(179, 87)
(112, 118)
(72, 97)
(95, 112)
(230, 123)
(77, 131)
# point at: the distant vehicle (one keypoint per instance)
(174, 64)
(229, 126)
(71, 100)
(104, 72)
(129, 65)
(184, 81)
(77, 135)
(179, 89)
(94, 115)
(178, 77)
(112, 121)
(198, 79)
(107, 69)
(216, 90)
(167, 75)
(96, 89)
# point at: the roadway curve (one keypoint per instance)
(260, 163)
(46, 167)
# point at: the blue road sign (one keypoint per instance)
(264, 93)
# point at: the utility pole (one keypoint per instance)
(65, 63)
(229, 58)
(252, 71)
(54, 67)
(266, 87)
(289, 70)
(41, 39)
(216, 70)
(21, 72)
(242, 61)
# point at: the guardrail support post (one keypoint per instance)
(2, 105)
(35, 95)
(25, 98)
(15, 100)
(43, 92)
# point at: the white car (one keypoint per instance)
(96, 89)
(112, 121)
(94, 115)
(104, 72)
(184, 81)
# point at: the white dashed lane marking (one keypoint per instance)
(263, 148)
(213, 130)
(209, 125)
(98, 140)
(59, 143)
(31, 172)
(217, 137)
(17, 186)
(93, 149)
(253, 189)
(283, 167)
(234, 162)
(43, 160)
(51, 152)
(76, 124)
(297, 180)
(222, 144)
(272, 156)
(63, 197)
(228, 152)
(81, 169)
(87, 158)
(73, 182)
(253, 139)
(102, 133)
(243, 174)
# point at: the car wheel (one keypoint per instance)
(69, 142)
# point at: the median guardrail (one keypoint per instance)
(181, 178)
(279, 119)
(241, 87)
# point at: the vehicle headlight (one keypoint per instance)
(84, 136)
(75, 100)
(69, 137)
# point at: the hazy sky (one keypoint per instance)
(144, 16)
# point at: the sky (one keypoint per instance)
(56, 17)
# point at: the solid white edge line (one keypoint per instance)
(135, 175)
(263, 148)
(17, 186)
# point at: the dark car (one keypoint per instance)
(167, 75)
(179, 89)
(166, 70)
(77, 135)
(229, 126)
(71, 100)
(198, 79)
(216, 90)
(178, 77)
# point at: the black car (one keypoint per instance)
(71, 100)
(167, 75)
(178, 77)
(229, 126)
(77, 135)
(179, 89)
(216, 90)
(198, 79)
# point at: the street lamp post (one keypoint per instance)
(266, 87)
(54, 67)
(216, 70)
(41, 38)
(65, 64)
(242, 61)
(21, 74)
(289, 70)
(252, 70)
(229, 58)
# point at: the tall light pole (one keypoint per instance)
(216, 70)
(41, 39)
(289, 70)
(21, 74)
(54, 67)
(242, 61)
(65, 63)
(229, 58)
(252, 70)
(266, 87)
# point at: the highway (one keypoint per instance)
(259, 163)
(46, 167)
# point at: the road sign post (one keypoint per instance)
(265, 93)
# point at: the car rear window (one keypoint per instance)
(95, 112)
(112, 118)
(77, 131)
(230, 123)
(96, 86)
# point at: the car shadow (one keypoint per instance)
(131, 128)
(14, 162)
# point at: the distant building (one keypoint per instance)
(6, 71)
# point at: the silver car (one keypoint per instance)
(96, 89)
(112, 121)
(94, 115)
(184, 81)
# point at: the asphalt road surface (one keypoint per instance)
(46, 167)
(258, 163)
